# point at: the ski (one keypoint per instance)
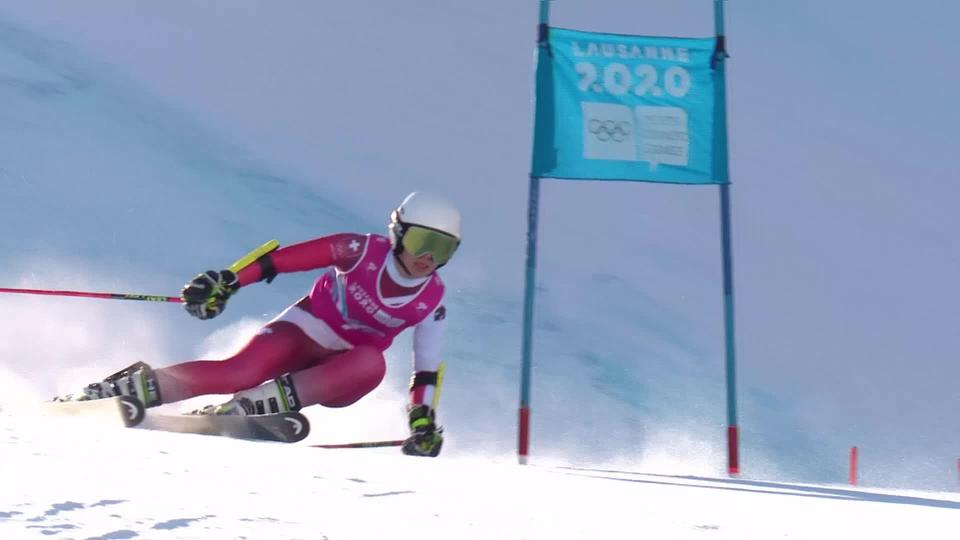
(286, 427)
(127, 409)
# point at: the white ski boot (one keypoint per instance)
(237, 406)
(274, 396)
(136, 380)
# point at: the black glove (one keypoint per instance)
(425, 436)
(206, 295)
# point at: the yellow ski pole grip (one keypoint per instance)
(243, 262)
(436, 391)
(249, 258)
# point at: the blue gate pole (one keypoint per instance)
(533, 210)
(523, 443)
(722, 171)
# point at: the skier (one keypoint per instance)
(327, 348)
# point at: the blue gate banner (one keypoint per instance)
(635, 108)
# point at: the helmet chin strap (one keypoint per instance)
(396, 256)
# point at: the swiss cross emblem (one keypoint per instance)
(354, 245)
(371, 267)
(422, 306)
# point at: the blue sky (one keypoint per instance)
(143, 143)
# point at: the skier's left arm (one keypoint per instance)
(428, 338)
(425, 436)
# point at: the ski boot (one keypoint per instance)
(136, 380)
(237, 406)
(275, 396)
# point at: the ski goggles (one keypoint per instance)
(421, 240)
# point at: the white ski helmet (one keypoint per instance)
(427, 211)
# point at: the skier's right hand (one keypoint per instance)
(206, 295)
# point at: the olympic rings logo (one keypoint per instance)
(609, 130)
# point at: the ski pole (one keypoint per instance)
(382, 444)
(240, 264)
(367, 444)
(436, 391)
(108, 296)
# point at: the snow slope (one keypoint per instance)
(65, 481)
(143, 144)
